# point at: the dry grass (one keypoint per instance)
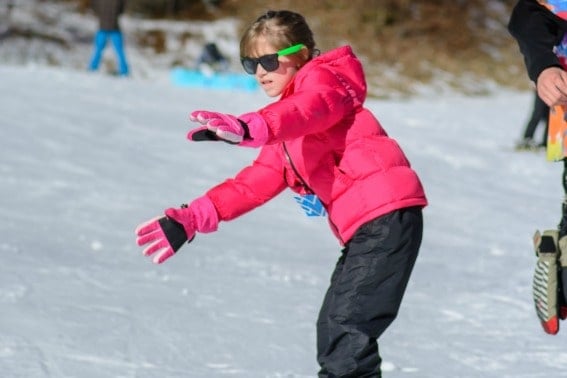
(404, 43)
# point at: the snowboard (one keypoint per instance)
(557, 133)
(184, 77)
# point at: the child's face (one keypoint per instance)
(273, 83)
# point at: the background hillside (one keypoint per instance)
(405, 45)
(409, 42)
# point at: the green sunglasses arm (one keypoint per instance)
(291, 50)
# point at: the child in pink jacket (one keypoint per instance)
(317, 139)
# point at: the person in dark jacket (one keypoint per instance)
(211, 59)
(538, 31)
(108, 12)
(540, 27)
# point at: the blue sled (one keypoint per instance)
(219, 80)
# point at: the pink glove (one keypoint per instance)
(248, 130)
(165, 235)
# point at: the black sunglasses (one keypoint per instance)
(269, 62)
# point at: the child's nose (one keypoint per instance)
(260, 71)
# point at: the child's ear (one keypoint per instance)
(301, 57)
(304, 52)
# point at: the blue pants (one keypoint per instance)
(100, 40)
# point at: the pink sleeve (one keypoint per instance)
(251, 187)
(319, 102)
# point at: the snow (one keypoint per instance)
(56, 34)
(86, 157)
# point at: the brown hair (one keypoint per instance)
(281, 29)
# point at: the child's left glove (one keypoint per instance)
(165, 235)
(248, 130)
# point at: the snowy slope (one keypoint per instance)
(85, 157)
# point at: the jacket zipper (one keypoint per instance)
(307, 187)
(288, 158)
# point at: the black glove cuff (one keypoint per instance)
(174, 232)
(246, 129)
(204, 135)
(208, 135)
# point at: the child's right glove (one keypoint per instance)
(165, 235)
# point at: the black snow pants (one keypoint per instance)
(365, 294)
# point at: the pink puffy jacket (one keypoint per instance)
(323, 141)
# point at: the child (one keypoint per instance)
(316, 139)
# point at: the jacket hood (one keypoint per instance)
(346, 66)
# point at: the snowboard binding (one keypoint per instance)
(550, 278)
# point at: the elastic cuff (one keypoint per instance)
(257, 129)
(205, 214)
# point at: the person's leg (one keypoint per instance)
(99, 44)
(365, 294)
(545, 132)
(545, 120)
(537, 115)
(118, 43)
(541, 110)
